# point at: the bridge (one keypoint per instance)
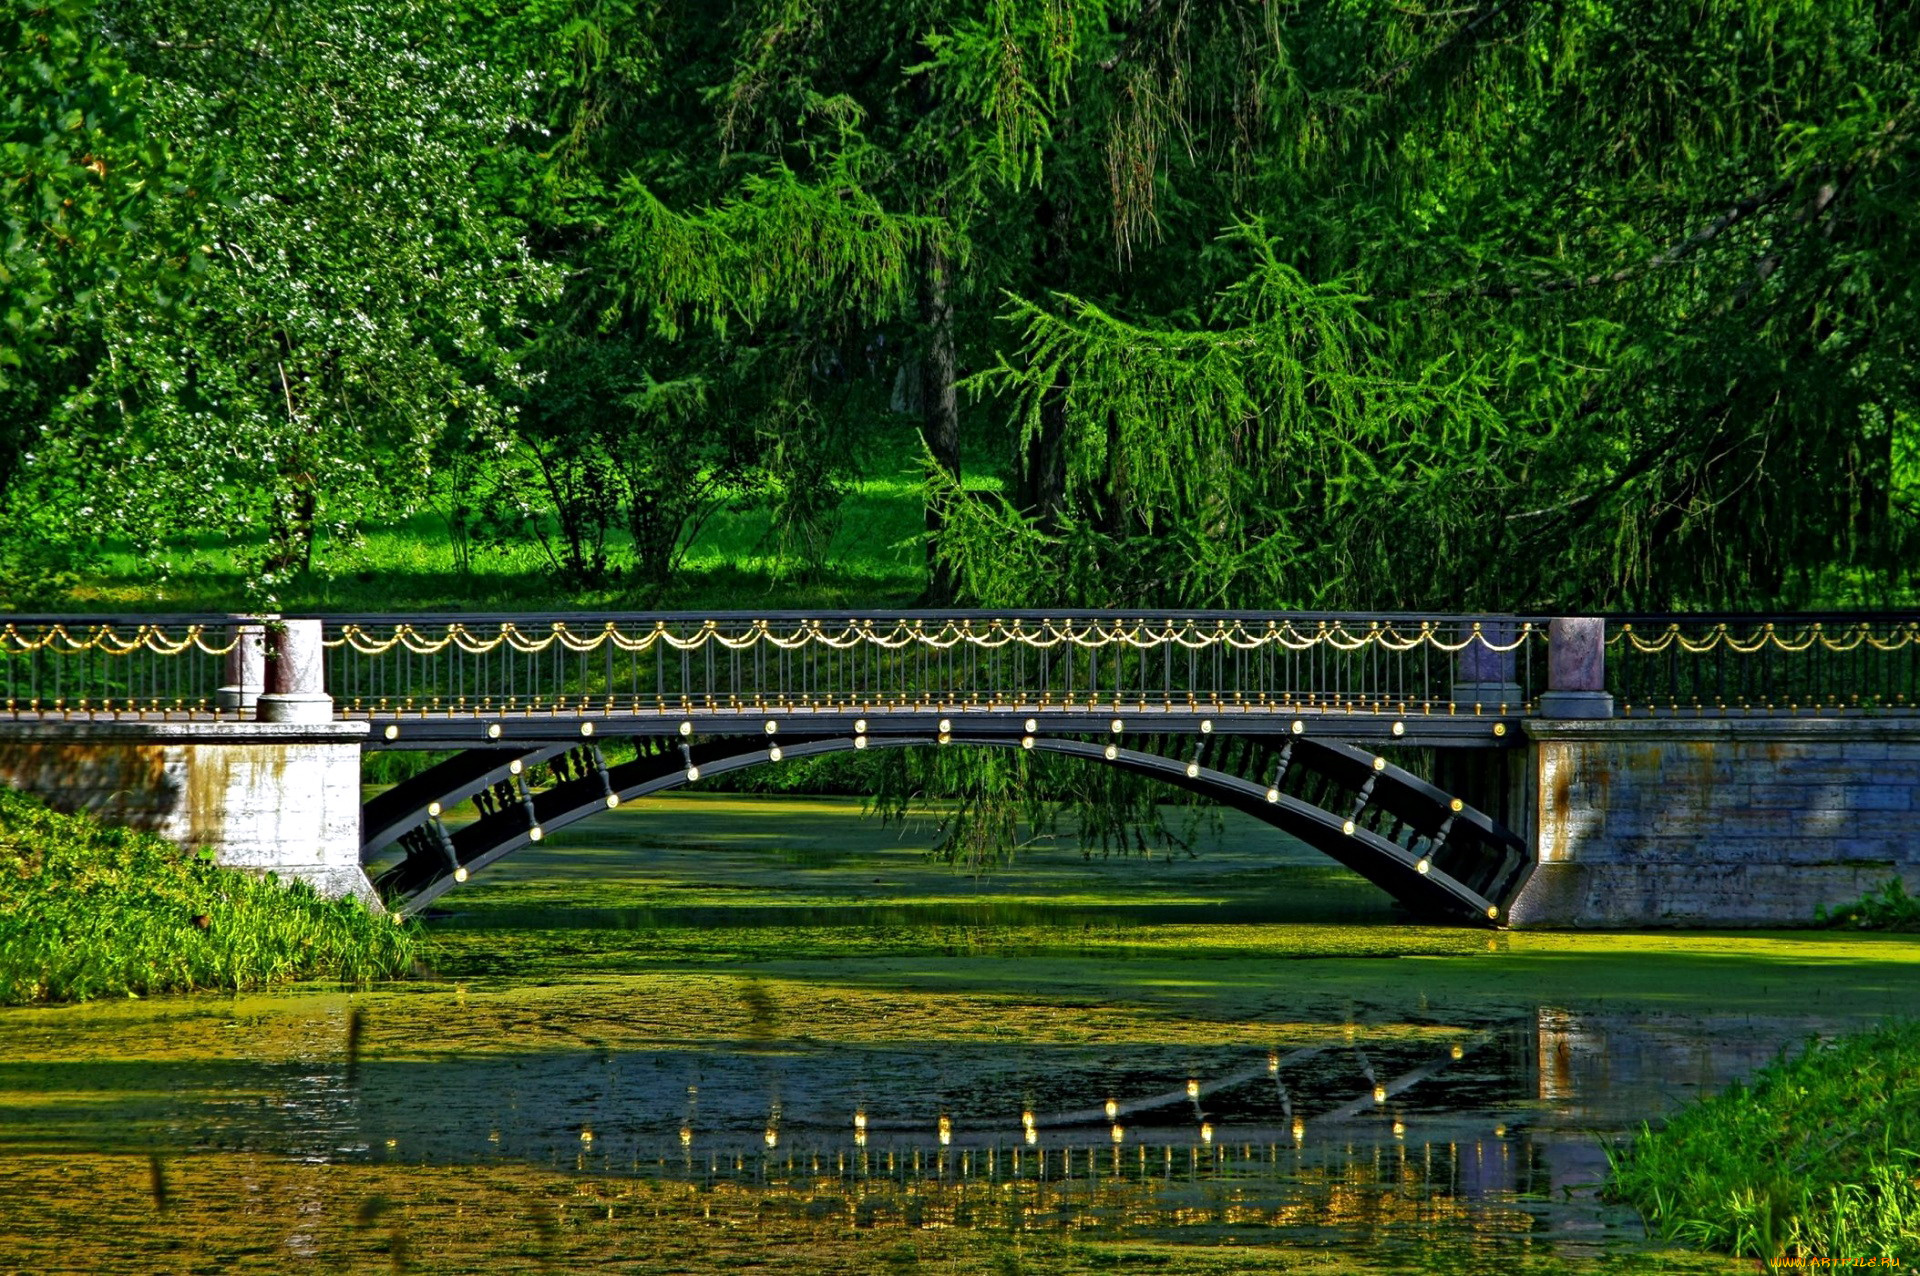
(1487, 770)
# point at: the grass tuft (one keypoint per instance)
(1889, 908)
(1818, 1157)
(90, 911)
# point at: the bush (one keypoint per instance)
(1818, 1157)
(92, 911)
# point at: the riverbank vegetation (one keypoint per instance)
(91, 911)
(1890, 908)
(1817, 1157)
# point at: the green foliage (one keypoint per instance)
(1819, 1156)
(82, 168)
(1889, 908)
(90, 911)
(780, 246)
(361, 295)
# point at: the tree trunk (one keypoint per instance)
(940, 403)
(1040, 459)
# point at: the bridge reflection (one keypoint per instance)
(1359, 1132)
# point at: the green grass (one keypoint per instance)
(1817, 1157)
(875, 559)
(90, 911)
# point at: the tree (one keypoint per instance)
(363, 291)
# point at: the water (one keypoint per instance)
(710, 1033)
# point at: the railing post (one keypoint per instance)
(246, 673)
(1485, 676)
(1576, 669)
(296, 674)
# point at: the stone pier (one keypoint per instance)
(1717, 822)
(263, 796)
(273, 788)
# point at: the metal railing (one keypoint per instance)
(462, 664)
(564, 663)
(1734, 665)
(1140, 661)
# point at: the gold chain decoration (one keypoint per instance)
(939, 635)
(61, 640)
(1761, 637)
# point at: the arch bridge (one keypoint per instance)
(1390, 743)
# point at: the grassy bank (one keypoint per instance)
(90, 911)
(1818, 1157)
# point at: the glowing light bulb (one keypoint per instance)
(1422, 867)
(859, 742)
(1379, 1094)
(1026, 742)
(946, 725)
(1273, 1061)
(460, 874)
(686, 728)
(1031, 1136)
(586, 1136)
(1193, 1088)
(1457, 1052)
(693, 773)
(860, 1120)
(1299, 1130)
(1273, 795)
(1113, 1109)
(860, 1138)
(946, 1129)
(1399, 1129)
(1193, 770)
(1026, 1118)
(860, 726)
(515, 767)
(1112, 753)
(774, 753)
(1499, 1131)
(613, 800)
(773, 1137)
(535, 833)
(1119, 1135)
(1032, 726)
(1206, 1132)
(433, 808)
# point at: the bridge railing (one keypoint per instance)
(732, 662)
(463, 664)
(1733, 665)
(85, 666)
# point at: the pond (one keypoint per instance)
(706, 1032)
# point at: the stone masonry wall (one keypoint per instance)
(264, 796)
(1701, 823)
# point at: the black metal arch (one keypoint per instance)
(1429, 850)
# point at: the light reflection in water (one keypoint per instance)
(1479, 1130)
